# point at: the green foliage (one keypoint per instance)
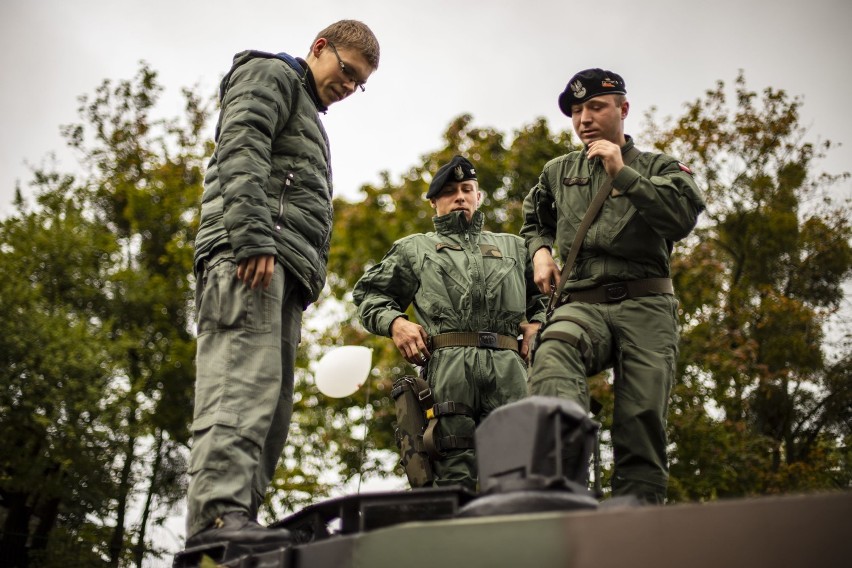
(759, 408)
(98, 345)
(100, 359)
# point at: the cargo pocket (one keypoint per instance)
(212, 442)
(227, 303)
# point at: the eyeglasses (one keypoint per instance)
(347, 70)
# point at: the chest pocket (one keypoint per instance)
(504, 281)
(444, 282)
(616, 214)
(609, 225)
(573, 198)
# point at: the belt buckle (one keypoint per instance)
(616, 292)
(487, 339)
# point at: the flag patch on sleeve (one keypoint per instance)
(683, 167)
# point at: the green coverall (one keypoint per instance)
(459, 278)
(654, 202)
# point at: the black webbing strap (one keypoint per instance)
(447, 408)
(432, 445)
(620, 291)
(436, 446)
(420, 388)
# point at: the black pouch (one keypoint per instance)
(412, 398)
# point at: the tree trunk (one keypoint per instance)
(116, 544)
(139, 548)
(15, 530)
(47, 514)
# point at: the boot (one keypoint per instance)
(236, 528)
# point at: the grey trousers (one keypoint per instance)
(245, 362)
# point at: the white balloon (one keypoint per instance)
(343, 370)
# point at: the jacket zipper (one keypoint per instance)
(280, 218)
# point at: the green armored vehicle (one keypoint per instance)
(535, 510)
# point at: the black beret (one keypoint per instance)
(458, 169)
(588, 84)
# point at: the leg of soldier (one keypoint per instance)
(291, 329)
(451, 381)
(238, 382)
(501, 378)
(646, 336)
(574, 345)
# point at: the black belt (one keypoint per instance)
(620, 291)
(485, 339)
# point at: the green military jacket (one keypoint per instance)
(654, 203)
(459, 278)
(267, 189)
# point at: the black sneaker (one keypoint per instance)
(236, 528)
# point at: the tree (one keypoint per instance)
(133, 216)
(98, 344)
(146, 185)
(762, 405)
(56, 367)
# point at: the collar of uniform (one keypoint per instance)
(455, 222)
(311, 85)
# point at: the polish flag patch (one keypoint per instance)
(683, 167)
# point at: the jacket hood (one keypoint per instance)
(298, 65)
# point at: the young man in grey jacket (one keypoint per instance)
(260, 260)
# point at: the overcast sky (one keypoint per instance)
(503, 61)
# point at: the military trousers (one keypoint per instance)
(483, 379)
(245, 361)
(638, 339)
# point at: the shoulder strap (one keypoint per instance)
(590, 215)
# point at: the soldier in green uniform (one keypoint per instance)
(617, 308)
(260, 260)
(473, 296)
